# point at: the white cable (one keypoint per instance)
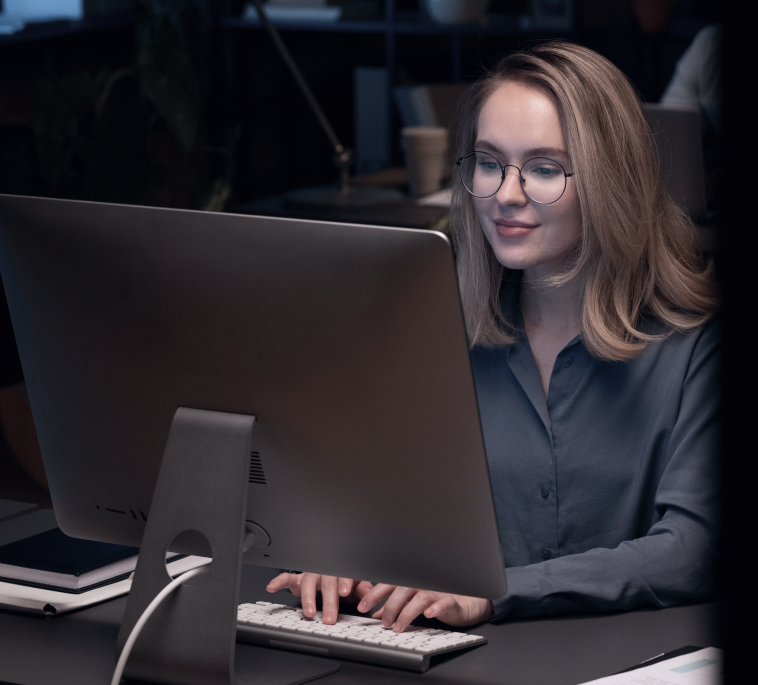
(147, 613)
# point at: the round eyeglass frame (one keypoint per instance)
(503, 167)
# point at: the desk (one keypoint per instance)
(405, 214)
(78, 649)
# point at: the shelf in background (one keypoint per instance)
(408, 22)
(331, 26)
(35, 31)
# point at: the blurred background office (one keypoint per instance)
(189, 104)
(186, 103)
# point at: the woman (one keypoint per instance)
(593, 351)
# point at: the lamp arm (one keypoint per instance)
(338, 147)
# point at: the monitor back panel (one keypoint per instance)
(346, 342)
(678, 139)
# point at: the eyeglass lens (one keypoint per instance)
(543, 179)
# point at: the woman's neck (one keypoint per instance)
(552, 318)
(552, 308)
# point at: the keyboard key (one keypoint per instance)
(374, 640)
(425, 649)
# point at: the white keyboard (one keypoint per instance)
(352, 637)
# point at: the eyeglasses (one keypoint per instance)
(543, 180)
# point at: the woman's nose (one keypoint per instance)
(512, 191)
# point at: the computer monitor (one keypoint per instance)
(679, 141)
(345, 342)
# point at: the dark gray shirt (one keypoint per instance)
(607, 492)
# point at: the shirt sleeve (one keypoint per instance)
(675, 561)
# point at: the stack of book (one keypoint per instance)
(51, 573)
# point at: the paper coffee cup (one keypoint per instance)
(425, 149)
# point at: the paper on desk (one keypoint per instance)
(697, 668)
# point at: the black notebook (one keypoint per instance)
(53, 560)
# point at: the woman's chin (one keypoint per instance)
(536, 265)
(516, 262)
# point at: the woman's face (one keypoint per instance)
(519, 122)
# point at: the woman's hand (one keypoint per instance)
(404, 604)
(306, 585)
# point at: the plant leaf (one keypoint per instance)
(218, 195)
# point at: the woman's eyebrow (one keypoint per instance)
(532, 152)
(546, 152)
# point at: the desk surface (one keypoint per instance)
(78, 649)
(406, 214)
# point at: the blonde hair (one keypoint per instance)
(637, 252)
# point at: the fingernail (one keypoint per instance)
(386, 622)
(362, 606)
(328, 618)
(343, 589)
(310, 609)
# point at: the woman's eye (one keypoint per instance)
(543, 169)
(545, 172)
(489, 166)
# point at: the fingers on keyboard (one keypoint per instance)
(330, 599)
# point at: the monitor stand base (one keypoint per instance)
(262, 666)
(199, 506)
(259, 665)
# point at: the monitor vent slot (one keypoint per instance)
(256, 469)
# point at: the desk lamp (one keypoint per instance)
(346, 196)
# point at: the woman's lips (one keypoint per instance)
(513, 229)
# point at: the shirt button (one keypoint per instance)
(568, 361)
(546, 553)
(544, 491)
